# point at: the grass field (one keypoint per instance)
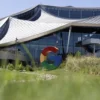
(71, 82)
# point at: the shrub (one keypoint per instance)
(19, 66)
(78, 54)
(28, 68)
(10, 66)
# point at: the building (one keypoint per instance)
(70, 29)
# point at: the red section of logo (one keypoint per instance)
(49, 49)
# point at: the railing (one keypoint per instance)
(89, 36)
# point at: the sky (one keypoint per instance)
(8, 7)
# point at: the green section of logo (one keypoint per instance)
(48, 66)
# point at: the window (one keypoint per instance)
(77, 36)
(64, 13)
(75, 14)
(53, 11)
(87, 13)
(97, 12)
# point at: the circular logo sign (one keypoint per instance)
(51, 62)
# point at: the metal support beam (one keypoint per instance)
(70, 29)
(16, 51)
(16, 47)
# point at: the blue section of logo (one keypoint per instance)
(56, 59)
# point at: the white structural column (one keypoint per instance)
(70, 29)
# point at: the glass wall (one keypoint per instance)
(62, 13)
(87, 13)
(59, 40)
(97, 12)
(72, 12)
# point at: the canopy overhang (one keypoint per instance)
(24, 31)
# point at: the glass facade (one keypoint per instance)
(71, 12)
(59, 39)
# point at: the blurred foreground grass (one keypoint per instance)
(72, 82)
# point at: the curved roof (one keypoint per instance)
(90, 22)
(24, 30)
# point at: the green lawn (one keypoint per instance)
(36, 86)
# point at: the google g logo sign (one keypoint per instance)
(51, 62)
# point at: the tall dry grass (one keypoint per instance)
(90, 65)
